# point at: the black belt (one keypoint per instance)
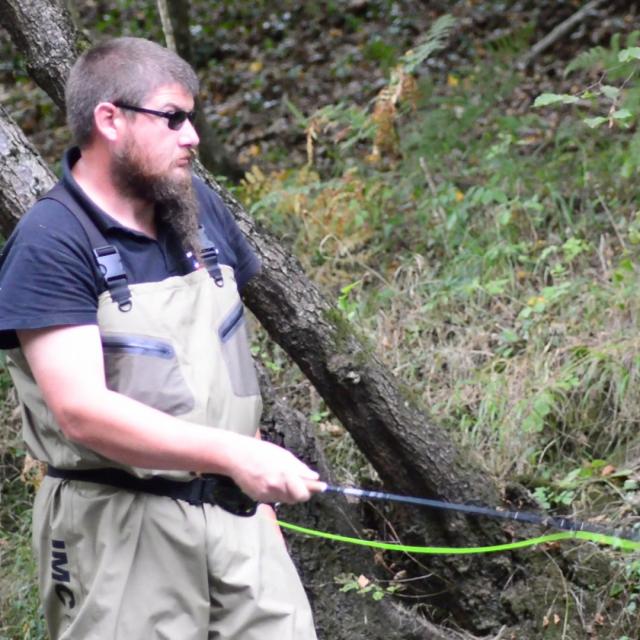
(205, 489)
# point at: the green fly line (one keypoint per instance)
(623, 544)
(573, 529)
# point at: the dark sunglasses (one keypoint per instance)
(175, 118)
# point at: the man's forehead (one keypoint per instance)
(170, 94)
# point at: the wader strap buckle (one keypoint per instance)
(202, 490)
(106, 256)
(115, 277)
(209, 253)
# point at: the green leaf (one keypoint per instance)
(566, 497)
(622, 114)
(609, 92)
(435, 40)
(543, 404)
(570, 478)
(626, 264)
(496, 287)
(541, 494)
(351, 586)
(533, 423)
(595, 122)
(554, 98)
(632, 53)
(300, 118)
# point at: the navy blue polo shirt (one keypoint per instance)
(48, 275)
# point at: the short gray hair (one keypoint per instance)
(121, 69)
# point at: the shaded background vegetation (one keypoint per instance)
(488, 248)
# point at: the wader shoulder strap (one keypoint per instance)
(209, 253)
(107, 257)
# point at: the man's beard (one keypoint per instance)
(174, 199)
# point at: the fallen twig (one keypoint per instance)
(555, 34)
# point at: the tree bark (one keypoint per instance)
(44, 33)
(410, 453)
(23, 174)
(338, 615)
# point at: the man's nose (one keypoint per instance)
(188, 135)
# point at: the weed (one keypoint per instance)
(20, 615)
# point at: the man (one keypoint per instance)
(119, 304)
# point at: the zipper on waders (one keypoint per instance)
(138, 345)
(231, 323)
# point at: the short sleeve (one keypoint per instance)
(46, 274)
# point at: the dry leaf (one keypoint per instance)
(363, 581)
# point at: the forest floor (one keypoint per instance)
(263, 64)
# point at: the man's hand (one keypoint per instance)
(269, 473)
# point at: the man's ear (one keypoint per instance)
(108, 121)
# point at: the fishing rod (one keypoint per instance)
(566, 524)
(572, 529)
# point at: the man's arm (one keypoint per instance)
(68, 367)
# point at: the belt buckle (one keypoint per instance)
(208, 486)
(229, 497)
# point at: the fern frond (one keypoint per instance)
(435, 40)
(513, 42)
(601, 57)
(598, 56)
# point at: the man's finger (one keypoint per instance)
(315, 486)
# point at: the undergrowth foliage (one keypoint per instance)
(20, 615)
(492, 254)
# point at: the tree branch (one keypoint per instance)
(555, 34)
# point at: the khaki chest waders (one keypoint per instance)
(125, 564)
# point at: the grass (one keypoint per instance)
(496, 264)
(20, 615)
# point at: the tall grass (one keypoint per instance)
(495, 264)
(20, 616)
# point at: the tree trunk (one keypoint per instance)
(44, 33)
(23, 174)
(338, 615)
(411, 454)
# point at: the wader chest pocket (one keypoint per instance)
(146, 369)
(237, 356)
